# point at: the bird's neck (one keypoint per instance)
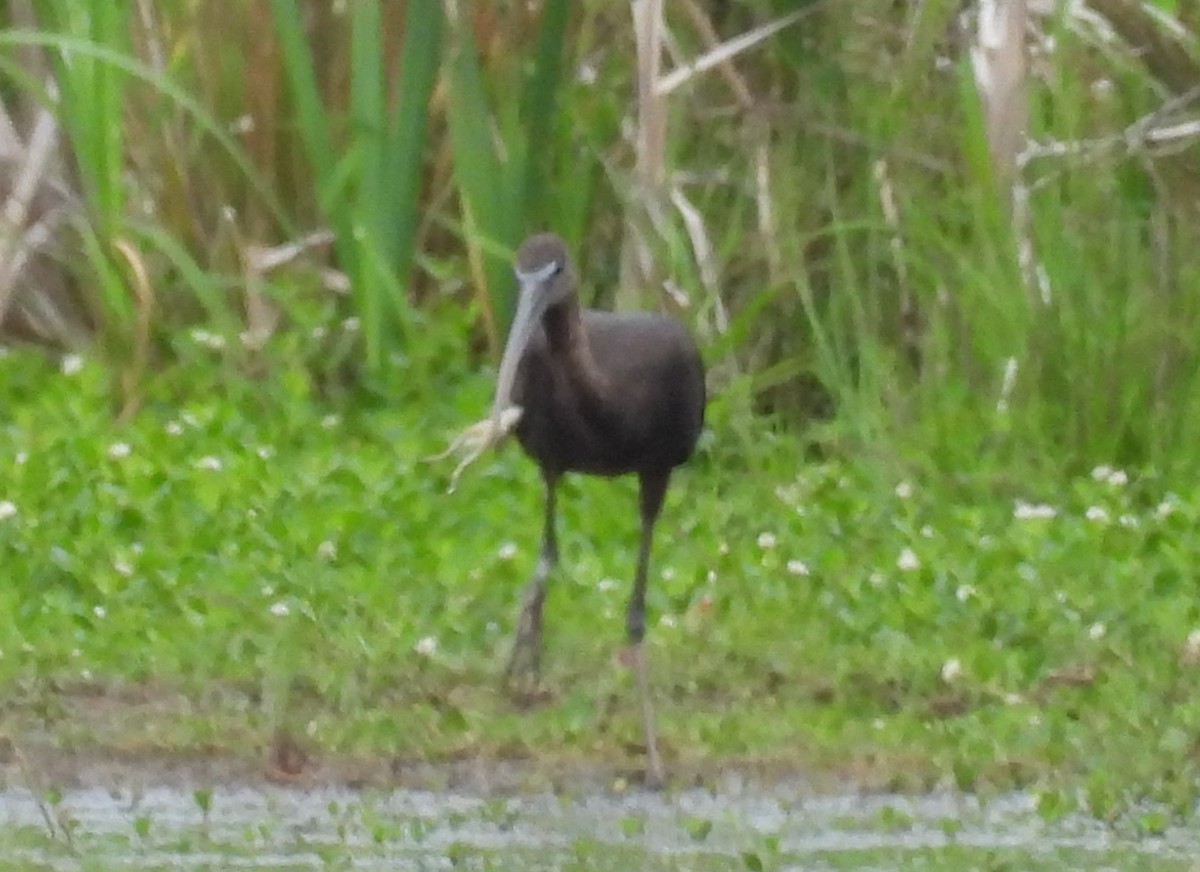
(568, 341)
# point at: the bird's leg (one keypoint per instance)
(526, 656)
(653, 489)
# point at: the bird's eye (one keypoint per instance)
(558, 268)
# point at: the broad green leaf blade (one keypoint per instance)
(540, 110)
(298, 64)
(485, 179)
(405, 156)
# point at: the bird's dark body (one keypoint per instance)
(634, 403)
(600, 393)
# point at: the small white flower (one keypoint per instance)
(927, 531)
(667, 621)
(351, 324)
(668, 574)
(327, 550)
(118, 450)
(952, 670)
(766, 541)
(964, 592)
(797, 567)
(280, 609)
(722, 548)
(71, 364)
(1128, 521)
(507, 551)
(319, 332)
(908, 560)
(427, 646)
(878, 723)
(330, 421)
(7, 509)
(1096, 631)
(1191, 647)
(213, 464)
(876, 579)
(210, 340)
(265, 452)
(1111, 475)
(75, 652)
(99, 611)
(1168, 505)
(268, 590)
(1007, 385)
(586, 74)
(1097, 514)
(1024, 511)
(711, 576)
(21, 458)
(123, 567)
(244, 123)
(189, 418)
(604, 585)
(904, 490)
(173, 428)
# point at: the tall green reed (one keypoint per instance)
(504, 157)
(369, 182)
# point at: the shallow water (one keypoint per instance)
(275, 827)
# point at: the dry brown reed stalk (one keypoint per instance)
(133, 373)
(1000, 65)
(1164, 45)
(647, 194)
(910, 337)
(652, 189)
(262, 316)
(29, 171)
(999, 62)
(36, 303)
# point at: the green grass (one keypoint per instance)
(244, 558)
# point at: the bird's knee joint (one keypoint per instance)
(546, 564)
(635, 625)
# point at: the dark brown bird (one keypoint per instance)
(602, 393)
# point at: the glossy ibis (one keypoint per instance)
(600, 393)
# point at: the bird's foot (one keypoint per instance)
(656, 772)
(523, 674)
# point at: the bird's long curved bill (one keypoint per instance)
(530, 309)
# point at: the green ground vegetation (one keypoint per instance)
(225, 567)
(941, 529)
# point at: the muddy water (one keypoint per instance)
(273, 827)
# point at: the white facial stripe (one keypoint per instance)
(537, 276)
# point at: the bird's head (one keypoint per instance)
(546, 279)
(544, 273)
